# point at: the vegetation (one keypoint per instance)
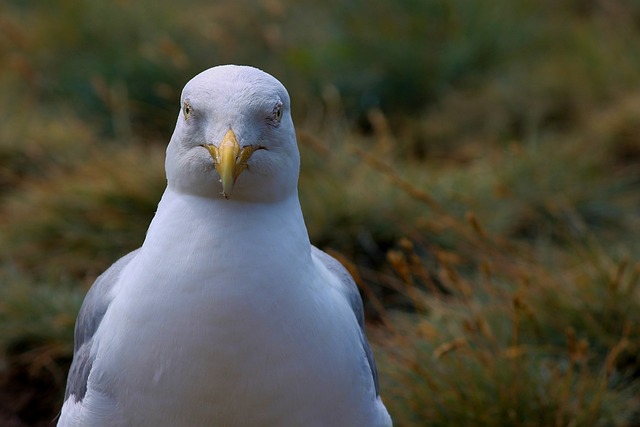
(476, 165)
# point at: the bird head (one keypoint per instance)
(234, 137)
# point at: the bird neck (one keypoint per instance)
(228, 230)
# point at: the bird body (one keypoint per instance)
(226, 316)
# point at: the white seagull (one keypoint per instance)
(227, 315)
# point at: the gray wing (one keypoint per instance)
(91, 313)
(350, 291)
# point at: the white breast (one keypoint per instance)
(235, 336)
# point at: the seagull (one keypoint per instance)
(226, 315)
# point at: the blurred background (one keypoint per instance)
(475, 164)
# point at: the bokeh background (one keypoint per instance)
(475, 164)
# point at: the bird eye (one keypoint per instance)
(186, 110)
(276, 115)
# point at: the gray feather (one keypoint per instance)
(91, 313)
(350, 291)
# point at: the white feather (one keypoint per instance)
(224, 316)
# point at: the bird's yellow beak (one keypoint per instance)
(230, 160)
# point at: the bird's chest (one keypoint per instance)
(219, 344)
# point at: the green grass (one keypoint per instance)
(541, 334)
(475, 165)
